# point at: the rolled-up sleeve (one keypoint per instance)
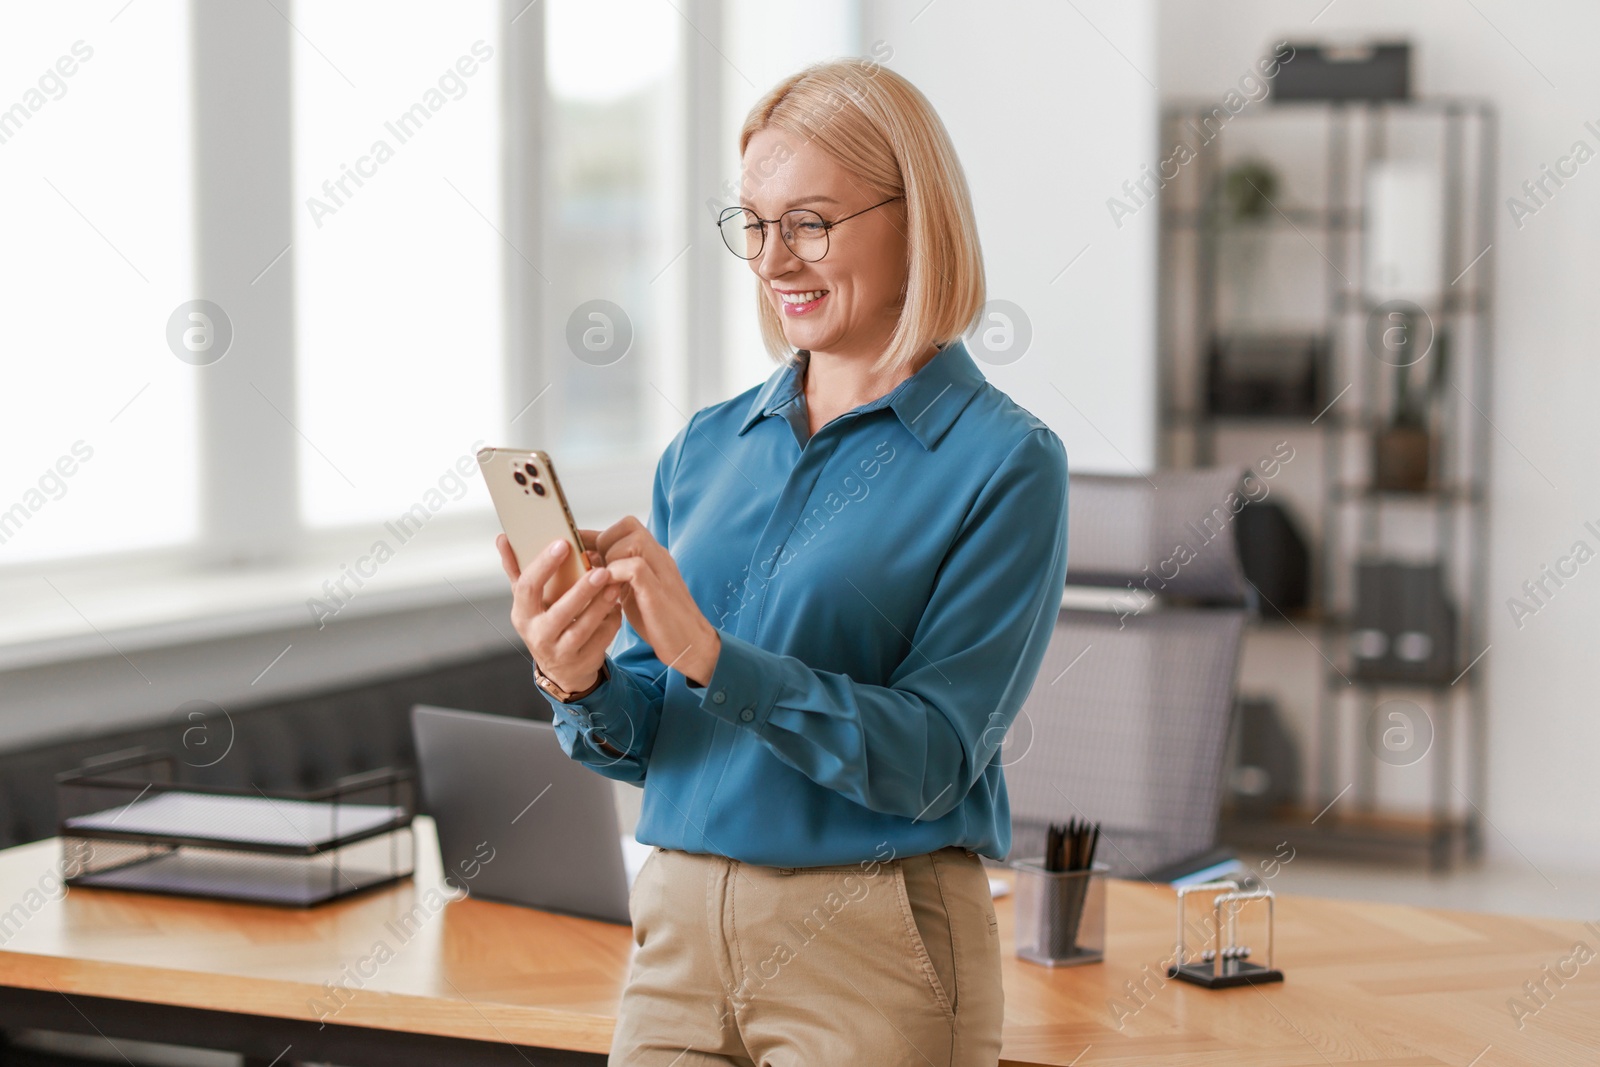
(916, 746)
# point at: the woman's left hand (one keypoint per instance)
(657, 603)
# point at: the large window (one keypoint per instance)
(615, 237)
(494, 214)
(761, 49)
(399, 301)
(98, 449)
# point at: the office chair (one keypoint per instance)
(1127, 723)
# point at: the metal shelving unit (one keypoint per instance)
(1324, 149)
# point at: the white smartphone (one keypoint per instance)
(533, 510)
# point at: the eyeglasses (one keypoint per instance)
(803, 230)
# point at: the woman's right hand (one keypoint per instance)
(568, 638)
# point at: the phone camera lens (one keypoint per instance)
(532, 470)
(537, 488)
(521, 479)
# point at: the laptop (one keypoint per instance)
(503, 784)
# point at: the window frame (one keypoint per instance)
(241, 60)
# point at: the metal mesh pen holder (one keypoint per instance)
(1061, 915)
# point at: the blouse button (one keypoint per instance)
(719, 697)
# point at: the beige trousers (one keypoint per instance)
(892, 962)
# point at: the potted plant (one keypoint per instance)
(1402, 449)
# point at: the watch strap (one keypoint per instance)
(566, 696)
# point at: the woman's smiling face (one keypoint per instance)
(849, 301)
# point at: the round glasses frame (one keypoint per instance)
(786, 229)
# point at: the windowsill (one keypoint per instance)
(166, 604)
(56, 613)
(90, 612)
(114, 608)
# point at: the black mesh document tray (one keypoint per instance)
(125, 824)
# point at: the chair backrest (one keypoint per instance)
(1127, 723)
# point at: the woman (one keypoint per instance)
(840, 601)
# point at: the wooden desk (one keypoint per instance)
(1368, 983)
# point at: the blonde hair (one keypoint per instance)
(882, 129)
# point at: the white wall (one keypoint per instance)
(1535, 63)
(1050, 111)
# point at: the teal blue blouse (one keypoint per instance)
(884, 592)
